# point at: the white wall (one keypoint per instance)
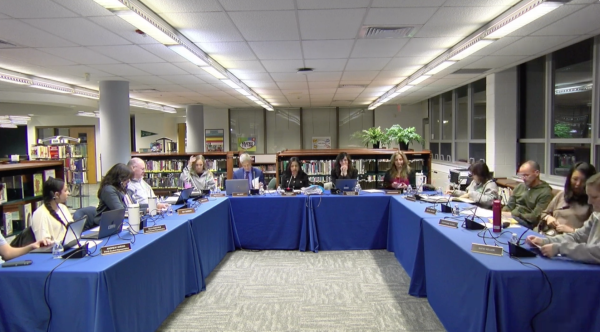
(164, 125)
(408, 116)
(217, 118)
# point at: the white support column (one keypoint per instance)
(195, 128)
(115, 138)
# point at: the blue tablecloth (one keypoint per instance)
(270, 222)
(349, 222)
(212, 229)
(131, 291)
(476, 292)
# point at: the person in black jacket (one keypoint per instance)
(112, 194)
(343, 168)
(294, 177)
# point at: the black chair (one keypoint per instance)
(90, 212)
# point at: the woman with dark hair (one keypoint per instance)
(294, 177)
(482, 189)
(112, 193)
(50, 220)
(569, 209)
(342, 169)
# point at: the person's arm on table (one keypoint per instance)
(487, 197)
(8, 252)
(575, 245)
(546, 215)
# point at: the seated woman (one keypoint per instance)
(568, 210)
(342, 168)
(294, 177)
(112, 192)
(397, 176)
(482, 189)
(50, 220)
(583, 244)
(196, 173)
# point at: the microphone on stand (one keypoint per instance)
(288, 189)
(471, 223)
(446, 208)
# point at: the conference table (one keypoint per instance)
(137, 290)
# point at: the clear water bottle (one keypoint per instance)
(455, 211)
(279, 190)
(57, 250)
(261, 190)
(514, 239)
(357, 188)
(170, 211)
(409, 189)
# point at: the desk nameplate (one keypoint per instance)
(155, 229)
(411, 198)
(430, 210)
(393, 192)
(448, 223)
(115, 249)
(217, 195)
(203, 200)
(288, 194)
(239, 194)
(486, 250)
(350, 193)
(185, 211)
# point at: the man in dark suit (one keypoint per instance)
(246, 171)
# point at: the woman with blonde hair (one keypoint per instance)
(196, 173)
(397, 176)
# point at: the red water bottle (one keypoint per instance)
(497, 216)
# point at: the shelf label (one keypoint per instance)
(115, 249)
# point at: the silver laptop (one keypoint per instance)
(345, 184)
(236, 186)
(71, 237)
(111, 222)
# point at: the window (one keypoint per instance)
(477, 151)
(462, 152)
(447, 116)
(479, 108)
(572, 111)
(532, 97)
(283, 129)
(564, 156)
(446, 151)
(531, 151)
(435, 150)
(462, 112)
(246, 124)
(352, 120)
(435, 118)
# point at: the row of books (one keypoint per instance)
(76, 177)
(165, 165)
(18, 220)
(76, 164)
(50, 152)
(162, 181)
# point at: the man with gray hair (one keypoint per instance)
(138, 187)
(583, 244)
(246, 171)
(529, 198)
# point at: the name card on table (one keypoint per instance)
(217, 195)
(393, 192)
(288, 194)
(448, 223)
(203, 200)
(155, 229)
(486, 250)
(350, 193)
(239, 194)
(430, 210)
(411, 198)
(115, 249)
(181, 211)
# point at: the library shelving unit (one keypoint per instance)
(371, 164)
(163, 169)
(21, 191)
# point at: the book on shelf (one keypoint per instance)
(157, 180)
(165, 165)
(7, 224)
(216, 165)
(38, 184)
(3, 197)
(25, 211)
(49, 173)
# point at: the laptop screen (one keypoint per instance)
(74, 231)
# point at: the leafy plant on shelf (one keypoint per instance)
(562, 130)
(372, 136)
(403, 135)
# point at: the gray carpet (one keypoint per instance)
(295, 291)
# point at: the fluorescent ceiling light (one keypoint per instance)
(110, 4)
(16, 79)
(573, 89)
(189, 55)
(19, 117)
(21, 122)
(138, 103)
(242, 91)
(168, 109)
(405, 88)
(7, 125)
(471, 49)
(419, 79)
(231, 84)
(148, 28)
(88, 114)
(86, 94)
(252, 98)
(155, 107)
(440, 67)
(214, 72)
(507, 26)
(51, 87)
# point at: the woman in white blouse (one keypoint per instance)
(50, 220)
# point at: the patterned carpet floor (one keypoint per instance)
(303, 291)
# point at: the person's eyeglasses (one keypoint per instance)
(524, 176)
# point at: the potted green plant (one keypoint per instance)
(372, 136)
(404, 136)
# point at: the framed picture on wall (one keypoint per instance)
(214, 139)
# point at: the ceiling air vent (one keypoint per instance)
(144, 90)
(384, 32)
(470, 71)
(344, 86)
(5, 44)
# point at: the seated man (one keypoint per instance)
(529, 198)
(138, 188)
(8, 252)
(583, 244)
(246, 171)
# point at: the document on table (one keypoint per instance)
(373, 191)
(479, 212)
(255, 183)
(434, 199)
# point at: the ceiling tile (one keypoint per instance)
(35, 57)
(292, 85)
(399, 16)
(260, 84)
(183, 79)
(488, 3)
(289, 77)
(404, 62)
(458, 21)
(332, 4)
(208, 27)
(277, 50)
(426, 48)
(367, 64)
(84, 8)
(34, 9)
(327, 49)
(163, 53)
(326, 64)
(282, 66)
(330, 24)
(81, 55)
(78, 30)
(28, 35)
(406, 3)
(532, 45)
(226, 52)
(183, 6)
(377, 48)
(80, 71)
(578, 23)
(324, 76)
(123, 29)
(360, 75)
(236, 5)
(121, 69)
(495, 61)
(316, 92)
(150, 80)
(128, 53)
(263, 26)
(323, 84)
(190, 68)
(159, 68)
